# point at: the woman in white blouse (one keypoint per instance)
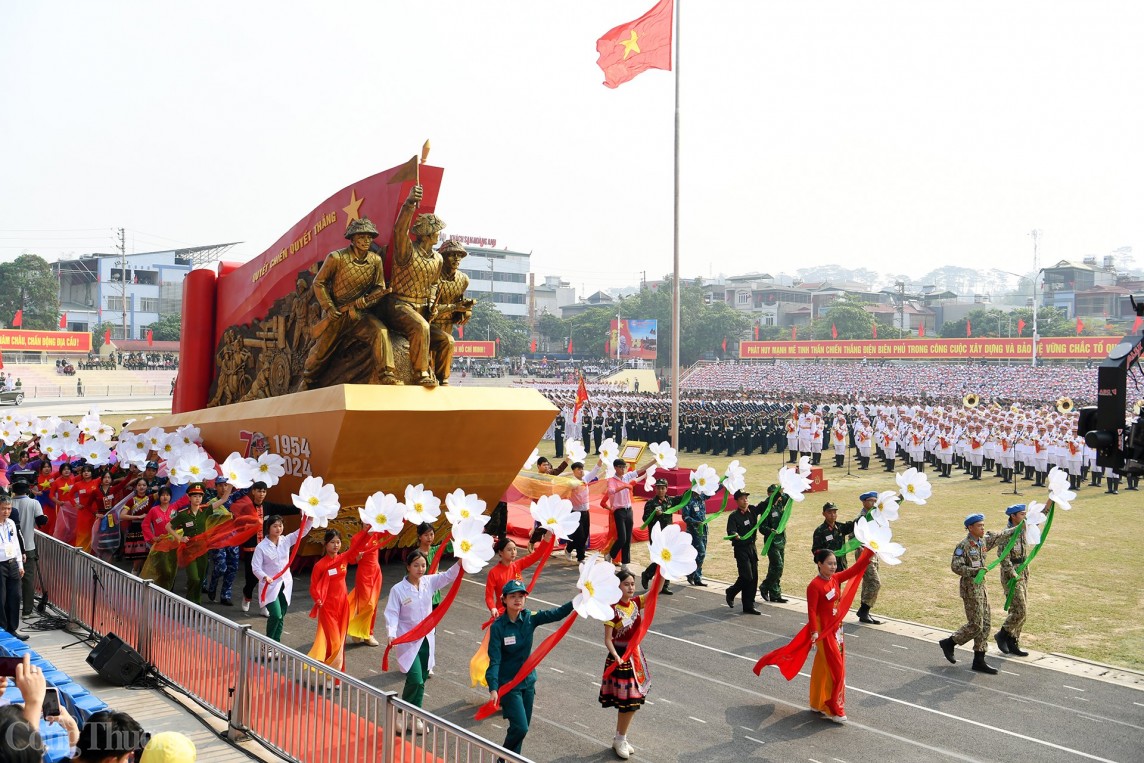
(271, 557)
(410, 602)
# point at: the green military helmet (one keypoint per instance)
(361, 225)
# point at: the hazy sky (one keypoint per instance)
(898, 136)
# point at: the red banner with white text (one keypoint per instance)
(463, 349)
(1048, 348)
(45, 341)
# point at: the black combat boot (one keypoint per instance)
(816, 458)
(864, 616)
(1133, 482)
(1015, 648)
(981, 666)
(946, 645)
(838, 461)
(1113, 486)
(890, 464)
(864, 462)
(1029, 471)
(1094, 479)
(1002, 638)
(793, 459)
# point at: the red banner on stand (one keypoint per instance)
(475, 349)
(45, 341)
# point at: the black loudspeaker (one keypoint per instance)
(116, 663)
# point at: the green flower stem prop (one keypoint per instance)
(853, 544)
(683, 499)
(1008, 547)
(722, 507)
(762, 516)
(1032, 555)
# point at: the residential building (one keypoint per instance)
(500, 275)
(552, 295)
(599, 299)
(100, 288)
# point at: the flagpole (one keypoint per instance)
(675, 290)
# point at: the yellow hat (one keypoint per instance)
(169, 747)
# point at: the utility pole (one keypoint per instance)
(123, 277)
(1036, 234)
(901, 307)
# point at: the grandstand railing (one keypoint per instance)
(33, 392)
(293, 705)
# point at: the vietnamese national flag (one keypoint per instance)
(833, 331)
(636, 46)
(756, 332)
(150, 338)
(581, 398)
(793, 333)
(107, 336)
(968, 328)
(18, 319)
(64, 321)
(460, 331)
(607, 346)
(569, 345)
(532, 346)
(922, 330)
(1079, 326)
(1020, 326)
(724, 344)
(1, 360)
(874, 330)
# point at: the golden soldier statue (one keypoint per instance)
(350, 282)
(416, 272)
(452, 308)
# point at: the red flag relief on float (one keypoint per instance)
(581, 395)
(636, 46)
(1020, 327)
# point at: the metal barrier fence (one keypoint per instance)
(295, 706)
(32, 392)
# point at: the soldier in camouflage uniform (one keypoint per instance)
(416, 273)
(1009, 636)
(771, 588)
(871, 580)
(655, 507)
(832, 534)
(350, 282)
(452, 308)
(968, 560)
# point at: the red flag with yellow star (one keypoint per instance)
(637, 46)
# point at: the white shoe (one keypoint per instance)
(264, 611)
(418, 726)
(842, 719)
(246, 605)
(621, 748)
(371, 641)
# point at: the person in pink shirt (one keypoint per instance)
(620, 502)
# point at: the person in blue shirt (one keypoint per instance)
(510, 644)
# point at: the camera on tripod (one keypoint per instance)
(1104, 426)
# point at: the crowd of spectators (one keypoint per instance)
(148, 361)
(941, 383)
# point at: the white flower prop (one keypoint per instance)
(735, 478)
(189, 435)
(194, 466)
(671, 549)
(532, 459)
(705, 481)
(9, 434)
(914, 486)
(421, 505)
(154, 438)
(599, 589)
(89, 425)
(96, 453)
(885, 510)
(575, 450)
(665, 455)
(105, 432)
(317, 500)
(649, 478)
(45, 427)
(383, 514)
(556, 514)
(609, 451)
(268, 468)
(67, 431)
(172, 448)
(51, 449)
(1034, 518)
(472, 545)
(1059, 492)
(793, 483)
(460, 506)
(7, 419)
(132, 449)
(237, 471)
(804, 465)
(876, 537)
